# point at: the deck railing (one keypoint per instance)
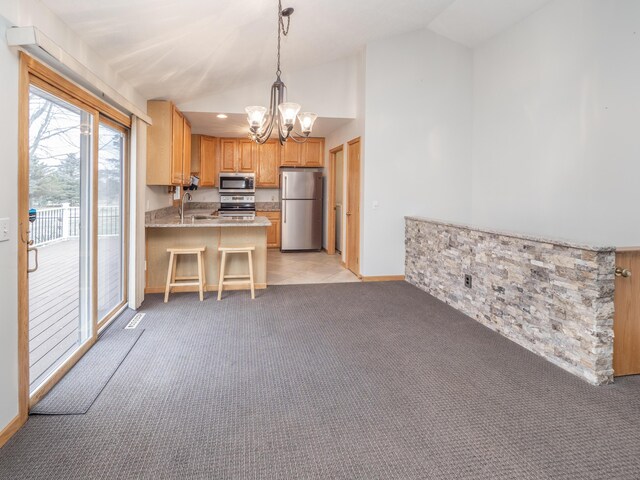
(62, 223)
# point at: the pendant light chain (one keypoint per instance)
(281, 30)
(280, 115)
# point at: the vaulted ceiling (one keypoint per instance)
(183, 49)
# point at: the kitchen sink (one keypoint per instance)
(203, 216)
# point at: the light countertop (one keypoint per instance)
(173, 221)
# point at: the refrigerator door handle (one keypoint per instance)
(284, 177)
(284, 207)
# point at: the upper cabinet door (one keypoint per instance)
(291, 154)
(186, 160)
(313, 152)
(228, 154)
(267, 164)
(207, 161)
(246, 155)
(177, 126)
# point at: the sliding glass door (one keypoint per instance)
(60, 168)
(111, 225)
(73, 204)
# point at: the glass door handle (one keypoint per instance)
(33, 249)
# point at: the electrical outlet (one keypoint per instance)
(468, 279)
(4, 229)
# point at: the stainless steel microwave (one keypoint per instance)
(237, 183)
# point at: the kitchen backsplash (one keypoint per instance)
(212, 195)
(199, 205)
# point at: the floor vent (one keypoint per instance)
(135, 321)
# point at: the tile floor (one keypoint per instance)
(305, 267)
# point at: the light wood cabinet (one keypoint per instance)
(273, 232)
(178, 147)
(186, 152)
(291, 154)
(237, 155)
(228, 149)
(308, 154)
(244, 155)
(168, 145)
(247, 153)
(313, 152)
(267, 163)
(203, 159)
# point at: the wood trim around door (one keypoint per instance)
(626, 327)
(51, 77)
(331, 207)
(33, 72)
(23, 227)
(354, 172)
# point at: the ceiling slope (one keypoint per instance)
(185, 49)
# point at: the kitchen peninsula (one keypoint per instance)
(200, 229)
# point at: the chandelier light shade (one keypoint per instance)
(280, 114)
(255, 116)
(289, 112)
(307, 119)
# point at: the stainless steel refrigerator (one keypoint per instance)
(301, 203)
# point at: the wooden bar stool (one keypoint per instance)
(236, 279)
(173, 281)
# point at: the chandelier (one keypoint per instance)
(281, 114)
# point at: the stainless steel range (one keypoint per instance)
(239, 207)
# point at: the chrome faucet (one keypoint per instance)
(186, 195)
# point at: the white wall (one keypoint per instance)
(25, 13)
(418, 141)
(156, 197)
(353, 129)
(8, 250)
(330, 90)
(556, 144)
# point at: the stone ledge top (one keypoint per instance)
(173, 221)
(531, 238)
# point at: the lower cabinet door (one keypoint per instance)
(273, 232)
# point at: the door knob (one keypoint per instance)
(623, 272)
(348, 214)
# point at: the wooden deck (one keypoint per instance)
(54, 303)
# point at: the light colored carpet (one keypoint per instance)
(349, 381)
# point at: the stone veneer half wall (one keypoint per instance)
(553, 298)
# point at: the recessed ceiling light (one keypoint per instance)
(221, 115)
